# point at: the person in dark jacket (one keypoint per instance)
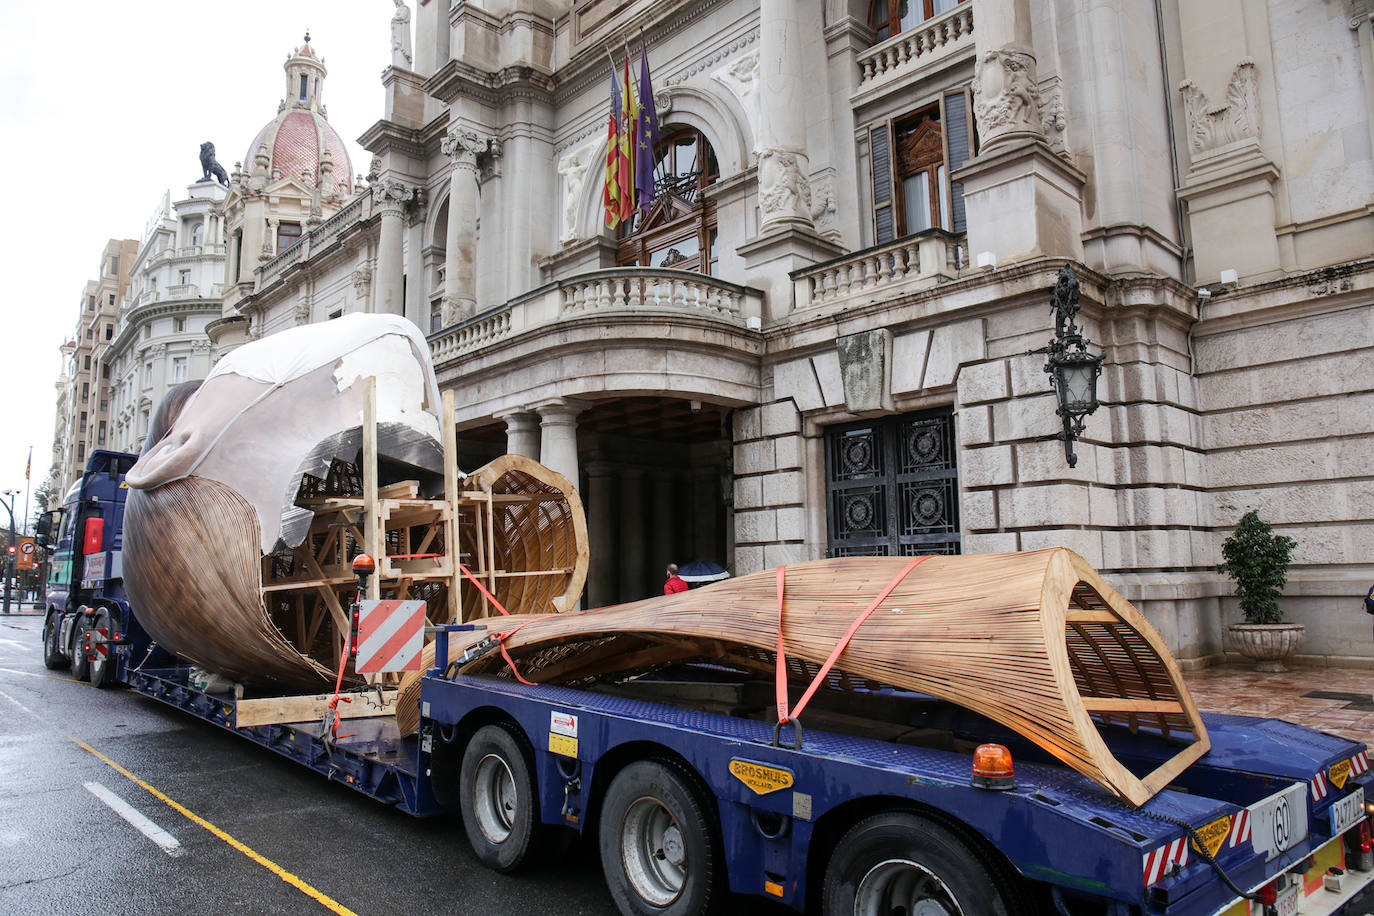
(674, 583)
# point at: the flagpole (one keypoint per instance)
(27, 469)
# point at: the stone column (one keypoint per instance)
(205, 237)
(558, 436)
(390, 197)
(522, 433)
(784, 191)
(664, 520)
(1006, 95)
(601, 578)
(462, 145)
(632, 531)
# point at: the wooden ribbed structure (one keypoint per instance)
(1036, 641)
(202, 588)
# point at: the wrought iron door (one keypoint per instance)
(892, 486)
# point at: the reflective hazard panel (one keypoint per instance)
(1214, 834)
(1340, 772)
(760, 777)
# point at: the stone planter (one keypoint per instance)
(1268, 644)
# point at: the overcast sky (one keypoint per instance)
(103, 107)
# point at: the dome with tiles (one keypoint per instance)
(299, 142)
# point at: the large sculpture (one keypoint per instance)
(251, 501)
(210, 167)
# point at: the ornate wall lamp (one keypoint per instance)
(1073, 371)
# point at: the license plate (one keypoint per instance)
(1279, 821)
(1287, 902)
(1346, 812)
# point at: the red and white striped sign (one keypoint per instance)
(1158, 863)
(1359, 763)
(390, 636)
(1240, 828)
(1319, 787)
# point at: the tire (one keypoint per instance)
(658, 844)
(53, 659)
(904, 862)
(81, 668)
(102, 666)
(500, 801)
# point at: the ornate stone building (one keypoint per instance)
(816, 341)
(174, 293)
(84, 388)
(296, 176)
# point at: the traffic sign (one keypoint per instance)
(28, 554)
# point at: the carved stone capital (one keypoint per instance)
(1006, 99)
(1210, 126)
(463, 146)
(362, 282)
(784, 192)
(391, 196)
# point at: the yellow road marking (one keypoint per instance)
(325, 901)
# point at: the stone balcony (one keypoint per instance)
(619, 292)
(929, 44)
(316, 240)
(882, 272)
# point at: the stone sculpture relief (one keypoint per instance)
(1053, 120)
(400, 36)
(573, 169)
(823, 204)
(1005, 97)
(1210, 126)
(783, 190)
(740, 76)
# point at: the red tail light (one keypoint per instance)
(1269, 894)
(1365, 843)
(94, 539)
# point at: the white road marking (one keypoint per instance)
(144, 826)
(17, 644)
(31, 674)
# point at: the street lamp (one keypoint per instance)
(13, 543)
(1073, 371)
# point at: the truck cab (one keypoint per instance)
(85, 585)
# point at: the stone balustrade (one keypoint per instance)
(616, 290)
(882, 271)
(935, 38)
(652, 288)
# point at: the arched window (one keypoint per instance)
(197, 233)
(680, 230)
(890, 17)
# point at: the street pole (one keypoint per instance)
(9, 557)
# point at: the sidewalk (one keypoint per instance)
(1336, 700)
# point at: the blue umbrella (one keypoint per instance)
(699, 572)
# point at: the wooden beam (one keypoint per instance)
(1083, 615)
(281, 585)
(277, 710)
(1120, 704)
(372, 525)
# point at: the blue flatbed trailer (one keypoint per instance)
(687, 803)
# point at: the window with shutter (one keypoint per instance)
(883, 223)
(910, 159)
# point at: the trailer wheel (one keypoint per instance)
(658, 851)
(499, 800)
(53, 659)
(102, 665)
(81, 668)
(904, 863)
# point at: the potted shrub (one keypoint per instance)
(1257, 559)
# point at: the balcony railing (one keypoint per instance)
(914, 262)
(933, 39)
(616, 291)
(316, 239)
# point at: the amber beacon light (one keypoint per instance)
(992, 768)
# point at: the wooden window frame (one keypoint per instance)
(892, 22)
(638, 245)
(886, 130)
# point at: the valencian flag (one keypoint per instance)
(647, 135)
(629, 121)
(611, 197)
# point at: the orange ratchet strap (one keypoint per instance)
(500, 637)
(784, 714)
